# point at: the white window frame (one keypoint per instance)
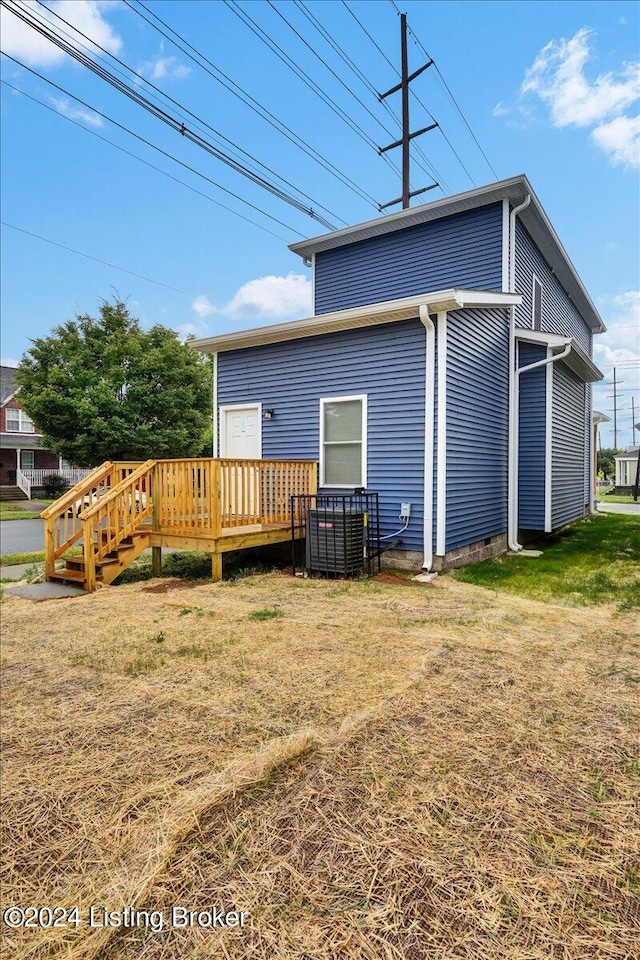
(351, 486)
(22, 416)
(28, 454)
(535, 280)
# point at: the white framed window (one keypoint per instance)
(536, 304)
(343, 441)
(28, 460)
(18, 422)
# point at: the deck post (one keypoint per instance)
(89, 556)
(313, 478)
(156, 552)
(216, 567)
(216, 499)
(49, 548)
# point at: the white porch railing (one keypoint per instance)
(28, 479)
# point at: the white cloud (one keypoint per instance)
(265, 298)
(620, 138)
(272, 297)
(621, 342)
(557, 76)
(164, 68)
(203, 306)
(21, 41)
(9, 362)
(67, 109)
(500, 110)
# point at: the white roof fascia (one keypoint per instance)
(514, 189)
(577, 359)
(600, 417)
(371, 314)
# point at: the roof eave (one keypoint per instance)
(388, 311)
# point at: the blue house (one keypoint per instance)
(447, 365)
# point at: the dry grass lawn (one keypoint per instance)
(371, 770)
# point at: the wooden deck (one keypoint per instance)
(213, 505)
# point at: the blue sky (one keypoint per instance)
(549, 89)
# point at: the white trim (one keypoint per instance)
(227, 408)
(321, 464)
(214, 412)
(313, 284)
(429, 415)
(548, 444)
(441, 490)
(505, 245)
(534, 280)
(368, 315)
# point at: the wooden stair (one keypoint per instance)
(110, 567)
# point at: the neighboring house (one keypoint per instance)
(627, 467)
(21, 445)
(447, 365)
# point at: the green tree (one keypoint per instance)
(606, 461)
(105, 389)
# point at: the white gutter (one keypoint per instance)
(512, 495)
(429, 413)
(441, 493)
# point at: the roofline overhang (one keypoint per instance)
(577, 359)
(600, 417)
(369, 315)
(515, 190)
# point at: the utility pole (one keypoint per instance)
(407, 137)
(633, 423)
(615, 410)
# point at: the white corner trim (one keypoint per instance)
(216, 426)
(429, 431)
(441, 490)
(226, 408)
(313, 284)
(548, 445)
(535, 279)
(505, 245)
(365, 421)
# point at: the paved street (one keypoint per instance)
(633, 508)
(21, 536)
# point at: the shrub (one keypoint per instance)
(54, 485)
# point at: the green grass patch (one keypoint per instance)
(15, 513)
(194, 565)
(266, 613)
(594, 561)
(12, 559)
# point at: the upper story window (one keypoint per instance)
(536, 305)
(343, 441)
(18, 422)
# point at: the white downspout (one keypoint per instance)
(429, 413)
(512, 496)
(214, 411)
(441, 469)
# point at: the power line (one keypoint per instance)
(177, 125)
(164, 173)
(230, 144)
(153, 146)
(448, 91)
(88, 256)
(249, 22)
(241, 94)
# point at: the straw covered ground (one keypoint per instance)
(368, 770)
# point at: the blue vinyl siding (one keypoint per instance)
(477, 425)
(532, 435)
(568, 446)
(464, 250)
(559, 315)
(386, 362)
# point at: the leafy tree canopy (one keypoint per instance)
(606, 461)
(105, 389)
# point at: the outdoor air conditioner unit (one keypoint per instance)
(335, 540)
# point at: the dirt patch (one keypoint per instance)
(166, 585)
(374, 773)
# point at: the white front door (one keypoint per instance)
(241, 437)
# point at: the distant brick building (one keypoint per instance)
(21, 443)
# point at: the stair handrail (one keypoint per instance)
(99, 511)
(81, 487)
(23, 482)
